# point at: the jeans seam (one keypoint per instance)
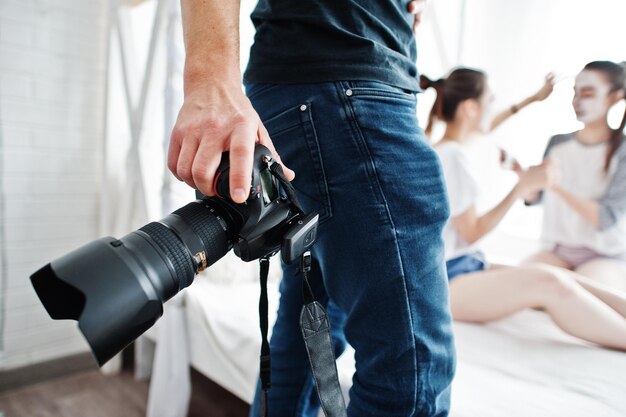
(262, 87)
(372, 173)
(375, 92)
(370, 92)
(360, 142)
(325, 194)
(306, 126)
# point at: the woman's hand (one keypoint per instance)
(543, 93)
(546, 89)
(539, 177)
(509, 162)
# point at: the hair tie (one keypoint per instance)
(426, 82)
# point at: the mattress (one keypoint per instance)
(520, 366)
(526, 366)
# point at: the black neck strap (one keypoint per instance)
(266, 364)
(277, 171)
(315, 328)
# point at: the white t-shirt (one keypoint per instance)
(582, 168)
(463, 191)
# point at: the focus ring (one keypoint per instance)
(205, 224)
(174, 250)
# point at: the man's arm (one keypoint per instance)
(211, 34)
(216, 116)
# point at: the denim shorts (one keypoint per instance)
(464, 264)
(362, 162)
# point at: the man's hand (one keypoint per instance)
(215, 118)
(416, 8)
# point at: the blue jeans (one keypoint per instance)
(362, 163)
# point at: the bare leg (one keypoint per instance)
(549, 258)
(494, 294)
(606, 271)
(608, 295)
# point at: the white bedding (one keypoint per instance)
(526, 366)
(523, 366)
(224, 335)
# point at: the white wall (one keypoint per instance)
(52, 103)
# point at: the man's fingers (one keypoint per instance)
(241, 159)
(172, 155)
(265, 140)
(205, 164)
(417, 6)
(185, 161)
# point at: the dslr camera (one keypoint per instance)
(115, 288)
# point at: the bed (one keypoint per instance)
(521, 366)
(526, 366)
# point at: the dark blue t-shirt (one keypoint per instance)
(303, 41)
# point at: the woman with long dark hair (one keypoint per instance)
(480, 292)
(585, 212)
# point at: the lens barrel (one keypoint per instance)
(115, 288)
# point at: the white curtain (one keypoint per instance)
(145, 93)
(3, 259)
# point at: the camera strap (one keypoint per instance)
(266, 364)
(315, 328)
(278, 173)
(314, 325)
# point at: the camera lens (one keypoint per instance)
(116, 288)
(195, 228)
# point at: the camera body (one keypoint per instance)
(115, 288)
(268, 221)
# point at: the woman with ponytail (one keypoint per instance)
(461, 84)
(585, 212)
(480, 292)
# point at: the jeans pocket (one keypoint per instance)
(293, 133)
(379, 90)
